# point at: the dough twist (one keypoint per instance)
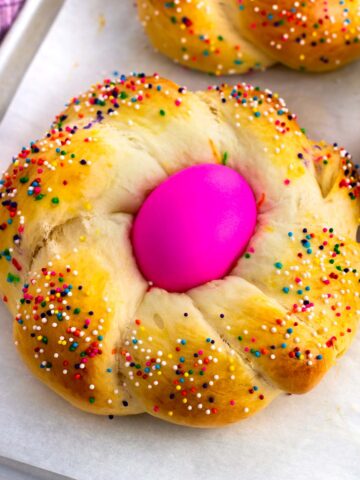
(235, 36)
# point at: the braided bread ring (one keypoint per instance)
(235, 36)
(87, 323)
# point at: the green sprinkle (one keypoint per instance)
(225, 158)
(11, 278)
(55, 200)
(162, 113)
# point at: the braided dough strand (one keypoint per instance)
(235, 36)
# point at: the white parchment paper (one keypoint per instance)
(315, 437)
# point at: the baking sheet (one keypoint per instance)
(315, 436)
(21, 43)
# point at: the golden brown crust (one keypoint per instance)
(184, 371)
(235, 37)
(274, 340)
(289, 309)
(70, 314)
(64, 340)
(313, 35)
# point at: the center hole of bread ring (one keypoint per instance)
(193, 227)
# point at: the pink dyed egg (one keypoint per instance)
(193, 227)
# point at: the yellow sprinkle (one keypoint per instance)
(302, 57)
(170, 414)
(82, 238)
(231, 368)
(185, 400)
(178, 387)
(40, 337)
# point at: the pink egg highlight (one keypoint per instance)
(194, 227)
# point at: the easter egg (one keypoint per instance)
(194, 227)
